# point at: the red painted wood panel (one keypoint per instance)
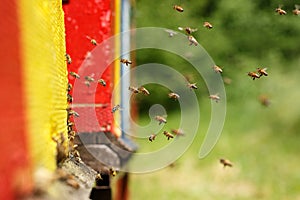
(13, 159)
(90, 18)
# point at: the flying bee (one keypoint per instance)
(89, 78)
(87, 83)
(160, 119)
(125, 61)
(264, 100)
(74, 74)
(68, 58)
(133, 89)
(115, 108)
(207, 25)
(296, 11)
(192, 40)
(280, 11)
(69, 98)
(217, 69)
(102, 82)
(152, 137)
(72, 112)
(178, 8)
(188, 30)
(69, 87)
(168, 135)
(178, 132)
(253, 75)
(171, 33)
(227, 80)
(226, 162)
(93, 41)
(262, 71)
(144, 91)
(174, 96)
(192, 86)
(215, 97)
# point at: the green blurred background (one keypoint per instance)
(262, 142)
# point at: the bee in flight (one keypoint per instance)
(115, 108)
(144, 91)
(168, 135)
(68, 58)
(152, 137)
(280, 11)
(174, 96)
(207, 25)
(170, 32)
(192, 86)
(89, 78)
(102, 82)
(192, 40)
(264, 100)
(188, 30)
(215, 97)
(160, 119)
(125, 61)
(262, 71)
(93, 41)
(225, 162)
(217, 69)
(74, 74)
(296, 11)
(134, 89)
(178, 132)
(178, 8)
(253, 75)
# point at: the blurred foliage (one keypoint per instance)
(246, 35)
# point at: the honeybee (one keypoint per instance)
(226, 162)
(93, 41)
(227, 80)
(115, 108)
(152, 137)
(178, 8)
(74, 74)
(173, 95)
(68, 58)
(69, 87)
(217, 69)
(207, 25)
(72, 112)
(102, 82)
(69, 98)
(98, 177)
(171, 33)
(178, 132)
(144, 91)
(215, 97)
(160, 119)
(262, 71)
(112, 171)
(192, 40)
(168, 135)
(280, 11)
(264, 100)
(188, 30)
(125, 61)
(87, 83)
(89, 78)
(296, 11)
(133, 89)
(253, 75)
(192, 86)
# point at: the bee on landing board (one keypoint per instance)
(160, 119)
(144, 91)
(225, 162)
(280, 11)
(126, 62)
(152, 137)
(74, 74)
(168, 135)
(215, 97)
(262, 71)
(174, 96)
(68, 58)
(178, 8)
(207, 25)
(296, 11)
(217, 69)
